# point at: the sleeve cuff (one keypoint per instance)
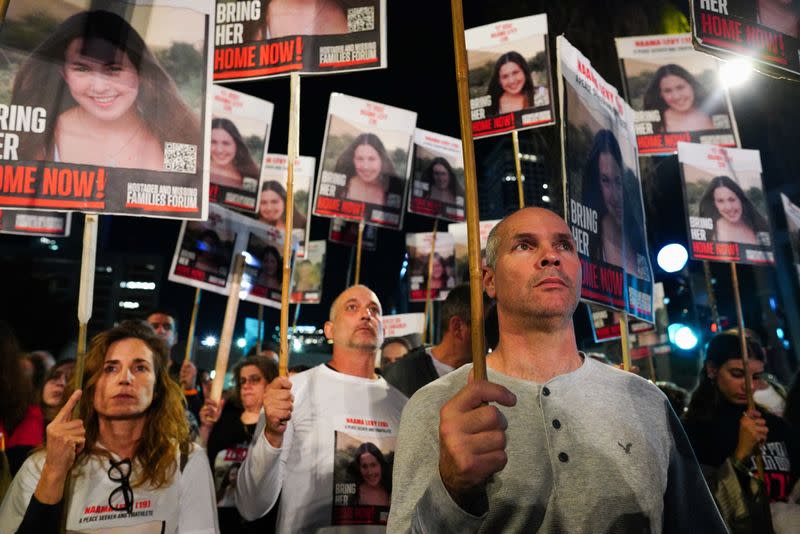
(41, 517)
(436, 511)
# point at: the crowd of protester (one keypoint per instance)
(141, 444)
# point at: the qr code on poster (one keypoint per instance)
(180, 157)
(360, 19)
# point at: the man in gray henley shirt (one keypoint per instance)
(578, 446)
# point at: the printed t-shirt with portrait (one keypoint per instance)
(182, 506)
(334, 414)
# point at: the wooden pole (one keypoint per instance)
(748, 383)
(625, 340)
(652, 368)
(260, 336)
(471, 183)
(425, 336)
(518, 168)
(85, 295)
(293, 153)
(228, 323)
(192, 324)
(359, 243)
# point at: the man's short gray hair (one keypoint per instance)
(492, 245)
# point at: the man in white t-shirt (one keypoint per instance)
(425, 364)
(326, 438)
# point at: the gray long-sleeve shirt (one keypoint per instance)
(595, 450)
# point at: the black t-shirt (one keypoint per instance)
(227, 448)
(716, 440)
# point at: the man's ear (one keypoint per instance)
(458, 327)
(327, 328)
(488, 281)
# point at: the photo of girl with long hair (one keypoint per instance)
(509, 74)
(366, 161)
(232, 165)
(443, 266)
(438, 188)
(725, 204)
(677, 93)
(264, 268)
(108, 99)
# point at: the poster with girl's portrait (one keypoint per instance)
(262, 281)
(35, 223)
(676, 94)
(366, 160)
(725, 204)
(443, 271)
(240, 126)
(362, 479)
(767, 31)
(346, 233)
(509, 76)
(204, 253)
(307, 274)
(603, 198)
(459, 233)
(106, 106)
(267, 38)
(272, 200)
(792, 212)
(437, 189)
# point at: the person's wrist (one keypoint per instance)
(273, 438)
(50, 489)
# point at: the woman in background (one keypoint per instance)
(680, 98)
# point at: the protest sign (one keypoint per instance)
(240, 126)
(346, 233)
(366, 160)
(106, 110)
(509, 76)
(443, 273)
(676, 93)
(34, 222)
(765, 30)
(459, 233)
(255, 39)
(602, 188)
(272, 201)
(725, 204)
(437, 188)
(308, 273)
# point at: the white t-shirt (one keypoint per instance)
(187, 505)
(317, 471)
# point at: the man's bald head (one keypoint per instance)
(344, 295)
(496, 234)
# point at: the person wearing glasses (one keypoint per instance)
(228, 428)
(123, 443)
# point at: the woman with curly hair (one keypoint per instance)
(735, 217)
(680, 98)
(126, 449)
(231, 161)
(108, 100)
